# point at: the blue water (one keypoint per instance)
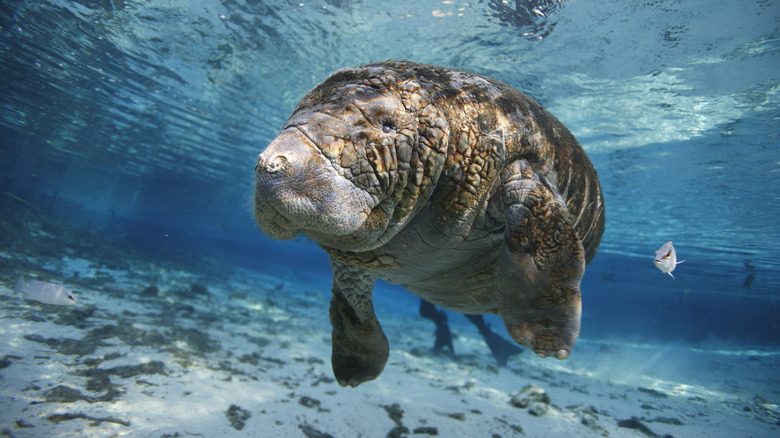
(140, 122)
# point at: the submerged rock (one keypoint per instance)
(425, 430)
(308, 402)
(63, 394)
(75, 317)
(127, 371)
(311, 432)
(99, 383)
(21, 424)
(529, 395)
(634, 423)
(514, 427)
(150, 291)
(533, 398)
(153, 367)
(237, 416)
(398, 432)
(653, 392)
(667, 420)
(67, 346)
(57, 418)
(198, 289)
(538, 409)
(195, 339)
(588, 416)
(5, 362)
(395, 412)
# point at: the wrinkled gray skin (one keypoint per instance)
(457, 187)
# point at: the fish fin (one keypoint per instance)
(670, 274)
(20, 284)
(681, 261)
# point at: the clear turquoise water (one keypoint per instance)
(141, 121)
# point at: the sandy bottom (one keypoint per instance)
(152, 351)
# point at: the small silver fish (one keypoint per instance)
(48, 293)
(666, 258)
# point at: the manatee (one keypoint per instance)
(456, 186)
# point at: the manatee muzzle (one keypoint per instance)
(297, 190)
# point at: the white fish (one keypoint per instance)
(666, 258)
(48, 293)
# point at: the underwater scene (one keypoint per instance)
(178, 259)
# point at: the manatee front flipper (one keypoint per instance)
(541, 264)
(360, 348)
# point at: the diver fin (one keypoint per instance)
(20, 284)
(500, 347)
(439, 317)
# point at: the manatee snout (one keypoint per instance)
(297, 190)
(286, 161)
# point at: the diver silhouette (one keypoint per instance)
(500, 347)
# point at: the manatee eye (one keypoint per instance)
(388, 127)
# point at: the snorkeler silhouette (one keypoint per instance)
(500, 347)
